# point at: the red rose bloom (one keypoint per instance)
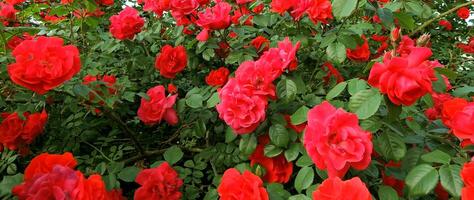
(260, 43)
(281, 6)
(159, 183)
(45, 162)
(320, 11)
(240, 108)
(44, 64)
(107, 80)
(463, 13)
(7, 13)
(336, 189)
(277, 169)
(437, 109)
(16, 133)
(17, 40)
(236, 186)
(158, 107)
(404, 79)
(172, 88)
(243, 1)
(458, 114)
(360, 53)
(332, 72)
(171, 61)
(105, 2)
(14, 2)
(183, 7)
(467, 193)
(446, 24)
(467, 48)
(218, 77)
(467, 175)
(52, 176)
(335, 141)
(126, 24)
(215, 18)
(157, 6)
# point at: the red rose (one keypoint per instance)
(260, 42)
(159, 183)
(158, 107)
(239, 13)
(158, 7)
(215, 18)
(361, 52)
(462, 122)
(446, 24)
(277, 169)
(404, 79)
(44, 64)
(218, 77)
(240, 108)
(332, 72)
(320, 11)
(172, 88)
(105, 2)
(17, 40)
(52, 176)
(467, 48)
(45, 162)
(126, 24)
(14, 2)
(335, 141)
(236, 186)
(258, 9)
(243, 1)
(7, 13)
(183, 7)
(171, 61)
(463, 13)
(281, 6)
(17, 133)
(467, 175)
(98, 82)
(450, 109)
(391, 181)
(336, 189)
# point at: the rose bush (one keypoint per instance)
(236, 99)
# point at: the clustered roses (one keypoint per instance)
(43, 64)
(52, 176)
(317, 10)
(16, 133)
(244, 98)
(335, 141)
(407, 77)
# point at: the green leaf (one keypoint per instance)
(292, 152)
(343, 8)
(213, 100)
(173, 154)
(300, 116)
(436, 156)
(355, 85)
(463, 91)
(365, 103)
(338, 89)
(276, 191)
(194, 101)
(247, 144)
(421, 180)
(229, 135)
(8, 182)
(279, 135)
(128, 174)
(299, 197)
(450, 74)
(387, 193)
(386, 16)
(272, 151)
(304, 160)
(81, 90)
(304, 178)
(391, 146)
(439, 85)
(286, 89)
(405, 20)
(451, 180)
(336, 52)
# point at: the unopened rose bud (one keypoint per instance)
(395, 34)
(423, 40)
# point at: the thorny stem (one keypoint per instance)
(427, 23)
(127, 131)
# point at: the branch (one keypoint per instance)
(127, 131)
(427, 23)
